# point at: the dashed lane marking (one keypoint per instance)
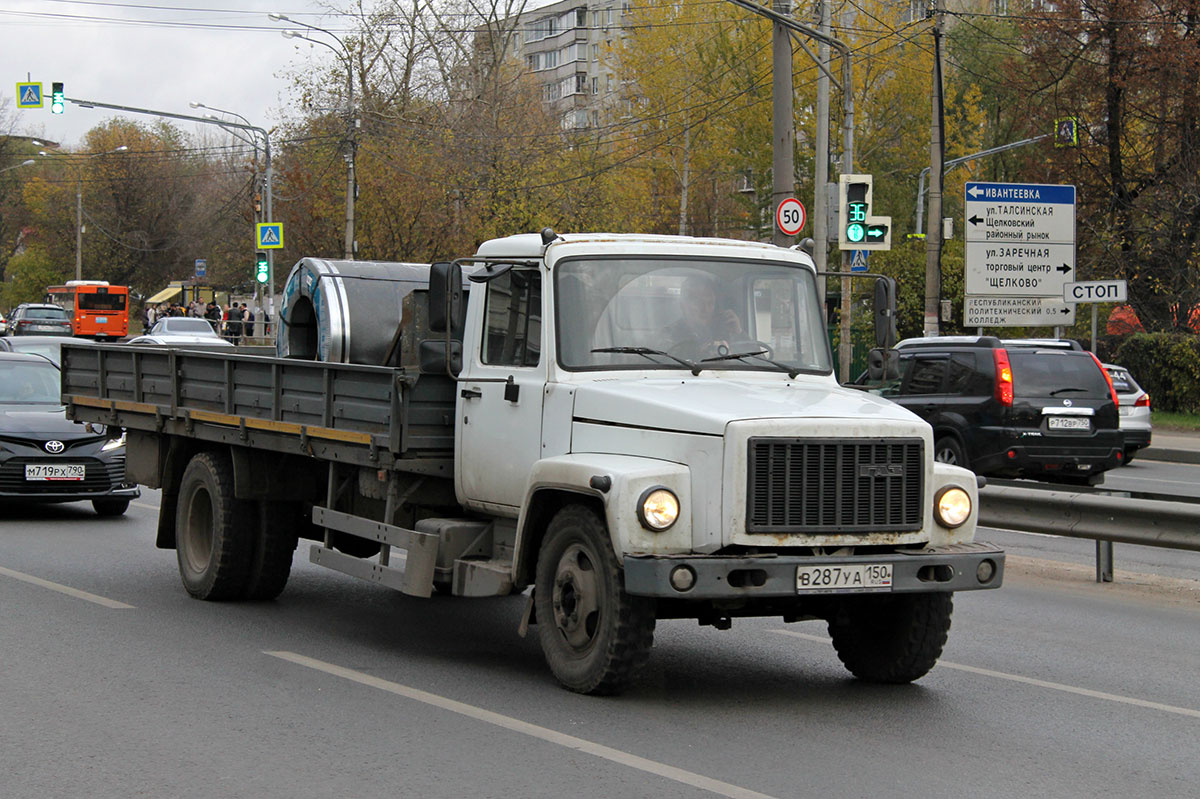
(65, 589)
(534, 731)
(1054, 686)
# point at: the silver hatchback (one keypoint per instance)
(1134, 409)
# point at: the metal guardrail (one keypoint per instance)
(1105, 516)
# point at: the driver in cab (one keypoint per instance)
(702, 329)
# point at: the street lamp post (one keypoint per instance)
(343, 53)
(267, 188)
(18, 166)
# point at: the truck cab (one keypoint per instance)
(678, 394)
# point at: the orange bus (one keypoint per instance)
(97, 310)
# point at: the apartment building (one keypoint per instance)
(563, 45)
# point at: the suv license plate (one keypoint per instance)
(54, 471)
(1068, 423)
(844, 577)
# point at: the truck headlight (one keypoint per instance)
(658, 508)
(952, 507)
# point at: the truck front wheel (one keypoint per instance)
(214, 532)
(593, 634)
(891, 639)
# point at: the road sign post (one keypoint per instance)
(1020, 252)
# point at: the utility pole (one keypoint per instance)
(933, 231)
(821, 176)
(783, 133)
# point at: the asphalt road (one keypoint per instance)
(1051, 686)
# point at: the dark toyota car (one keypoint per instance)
(1012, 409)
(46, 458)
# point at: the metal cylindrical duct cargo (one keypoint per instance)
(344, 311)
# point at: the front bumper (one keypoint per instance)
(955, 567)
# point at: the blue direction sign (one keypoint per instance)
(201, 267)
(29, 95)
(269, 235)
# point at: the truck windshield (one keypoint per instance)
(694, 310)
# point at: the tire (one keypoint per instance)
(892, 639)
(214, 536)
(949, 449)
(594, 635)
(274, 544)
(110, 506)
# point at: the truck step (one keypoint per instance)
(416, 579)
(482, 578)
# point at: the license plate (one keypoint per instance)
(45, 327)
(54, 471)
(102, 320)
(1068, 423)
(844, 577)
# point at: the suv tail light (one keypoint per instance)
(1112, 391)
(1004, 379)
(1142, 401)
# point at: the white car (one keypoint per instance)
(1134, 409)
(182, 331)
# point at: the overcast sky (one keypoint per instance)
(154, 54)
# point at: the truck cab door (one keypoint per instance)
(498, 428)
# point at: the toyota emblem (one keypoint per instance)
(1067, 402)
(54, 447)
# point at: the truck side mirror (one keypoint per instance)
(445, 297)
(883, 365)
(884, 312)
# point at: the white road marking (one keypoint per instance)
(524, 727)
(63, 589)
(1055, 686)
(144, 505)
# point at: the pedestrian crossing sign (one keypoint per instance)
(269, 235)
(29, 95)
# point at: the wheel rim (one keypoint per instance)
(576, 597)
(946, 455)
(198, 535)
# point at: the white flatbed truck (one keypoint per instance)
(552, 429)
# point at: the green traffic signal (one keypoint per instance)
(57, 98)
(262, 268)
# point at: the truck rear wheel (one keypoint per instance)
(274, 544)
(594, 635)
(892, 639)
(213, 530)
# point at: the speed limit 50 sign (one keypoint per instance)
(790, 216)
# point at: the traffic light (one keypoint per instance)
(857, 229)
(262, 268)
(57, 98)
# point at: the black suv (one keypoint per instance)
(1033, 408)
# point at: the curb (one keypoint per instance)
(1169, 454)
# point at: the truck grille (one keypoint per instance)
(799, 485)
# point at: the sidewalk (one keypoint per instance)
(1172, 445)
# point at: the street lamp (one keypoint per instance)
(267, 190)
(342, 53)
(79, 204)
(18, 166)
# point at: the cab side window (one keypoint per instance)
(512, 331)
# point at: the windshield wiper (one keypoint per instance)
(1058, 391)
(647, 352)
(792, 371)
